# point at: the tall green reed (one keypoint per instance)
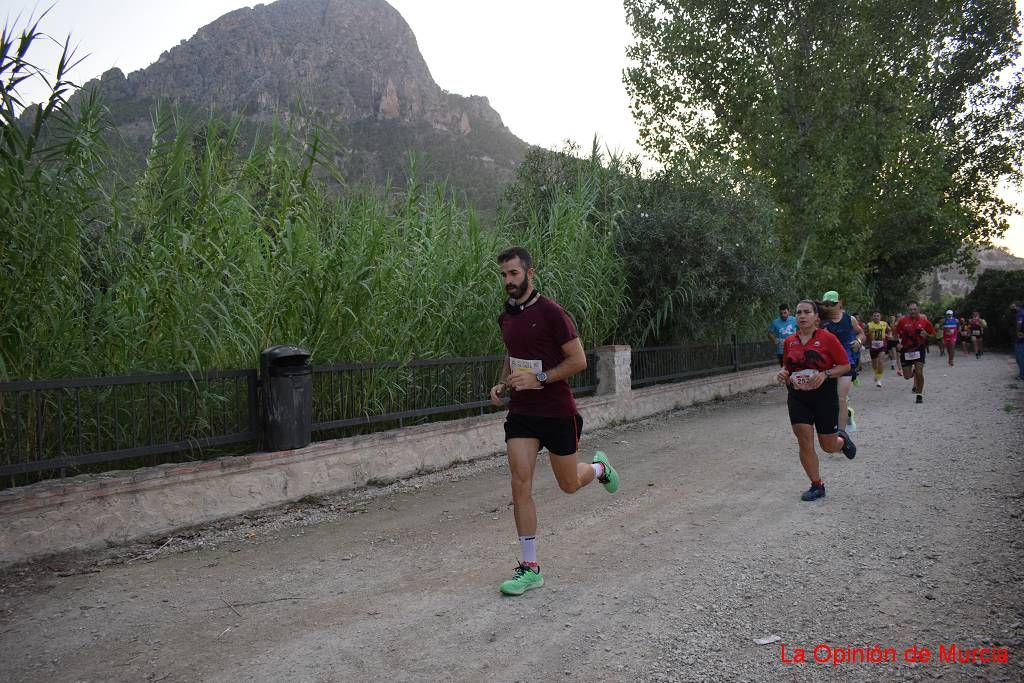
(221, 246)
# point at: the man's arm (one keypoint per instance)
(575, 360)
(498, 389)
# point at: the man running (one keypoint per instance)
(977, 326)
(781, 327)
(850, 334)
(912, 330)
(950, 330)
(890, 345)
(965, 336)
(878, 336)
(544, 351)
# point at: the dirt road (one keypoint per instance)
(705, 548)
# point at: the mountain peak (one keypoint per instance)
(352, 58)
(353, 66)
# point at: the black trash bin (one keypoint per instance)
(287, 397)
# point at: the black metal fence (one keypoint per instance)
(69, 423)
(351, 395)
(70, 426)
(659, 364)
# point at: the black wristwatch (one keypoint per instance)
(542, 377)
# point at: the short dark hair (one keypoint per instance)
(519, 253)
(913, 303)
(783, 307)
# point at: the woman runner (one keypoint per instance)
(813, 359)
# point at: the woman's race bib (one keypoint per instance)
(879, 344)
(802, 377)
(911, 355)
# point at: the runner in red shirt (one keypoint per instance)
(544, 351)
(812, 361)
(977, 325)
(913, 330)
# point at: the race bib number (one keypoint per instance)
(879, 344)
(803, 376)
(521, 365)
(975, 333)
(912, 355)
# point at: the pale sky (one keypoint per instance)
(551, 68)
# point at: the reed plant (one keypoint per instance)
(223, 245)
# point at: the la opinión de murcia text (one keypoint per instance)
(833, 655)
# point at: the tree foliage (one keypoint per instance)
(696, 255)
(992, 296)
(881, 128)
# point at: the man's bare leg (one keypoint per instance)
(844, 390)
(918, 378)
(571, 474)
(522, 460)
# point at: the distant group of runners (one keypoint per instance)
(819, 353)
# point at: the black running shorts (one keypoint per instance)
(819, 407)
(907, 362)
(560, 435)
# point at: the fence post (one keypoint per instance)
(735, 353)
(613, 370)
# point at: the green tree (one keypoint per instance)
(880, 128)
(992, 296)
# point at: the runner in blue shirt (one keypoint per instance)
(781, 327)
(851, 336)
(950, 329)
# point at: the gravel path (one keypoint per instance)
(704, 549)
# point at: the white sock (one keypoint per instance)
(528, 546)
(598, 469)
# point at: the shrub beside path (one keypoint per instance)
(705, 548)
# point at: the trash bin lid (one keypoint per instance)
(283, 351)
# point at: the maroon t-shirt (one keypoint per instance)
(534, 340)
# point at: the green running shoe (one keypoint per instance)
(522, 580)
(610, 480)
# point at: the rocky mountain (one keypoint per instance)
(951, 281)
(350, 66)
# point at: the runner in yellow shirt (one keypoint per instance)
(878, 334)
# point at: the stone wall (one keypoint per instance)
(91, 511)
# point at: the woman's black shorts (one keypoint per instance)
(560, 435)
(819, 407)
